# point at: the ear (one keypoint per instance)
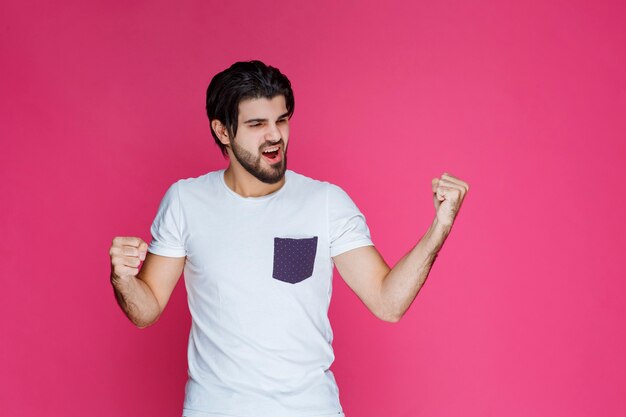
(221, 132)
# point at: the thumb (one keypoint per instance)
(436, 201)
(439, 195)
(437, 192)
(143, 249)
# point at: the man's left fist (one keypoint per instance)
(448, 195)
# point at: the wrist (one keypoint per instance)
(120, 281)
(437, 234)
(440, 228)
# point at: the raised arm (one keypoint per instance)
(142, 293)
(388, 293)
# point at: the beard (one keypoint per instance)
(253, 163)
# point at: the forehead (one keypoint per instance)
(262, 108)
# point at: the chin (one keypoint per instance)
(272, 179)
(277, 173)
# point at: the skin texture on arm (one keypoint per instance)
(142, 293)
(388, 293)
(364, 270)
(160, 274)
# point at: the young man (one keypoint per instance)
(257, 244)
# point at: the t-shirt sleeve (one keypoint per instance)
(166, 227)
(348, 229)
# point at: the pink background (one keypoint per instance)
(102, 108)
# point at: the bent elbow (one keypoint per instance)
(142, 324)
(389, 317)
(392, 319)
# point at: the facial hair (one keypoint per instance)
(252, 163)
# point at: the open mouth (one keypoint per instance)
(272, 153)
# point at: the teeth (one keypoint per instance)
(271, 149)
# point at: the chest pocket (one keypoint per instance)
(294, 259)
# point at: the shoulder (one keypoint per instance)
(330, 195)
(311, 185)
(192, 184)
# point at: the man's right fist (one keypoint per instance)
(126, 253)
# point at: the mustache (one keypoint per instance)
(268, 144)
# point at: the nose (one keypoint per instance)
(273, 134)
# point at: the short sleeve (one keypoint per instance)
(165, 229)
(348, 229)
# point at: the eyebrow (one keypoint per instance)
(265, 120)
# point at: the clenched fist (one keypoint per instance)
(448, 195)
(126, 253)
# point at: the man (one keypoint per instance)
(257, 244)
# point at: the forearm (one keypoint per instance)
(136, 300)
(403, 282)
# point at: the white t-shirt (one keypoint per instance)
(258, 275)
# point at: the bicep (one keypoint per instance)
(161, 273)
(364, 270)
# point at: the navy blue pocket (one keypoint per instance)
(294, 258)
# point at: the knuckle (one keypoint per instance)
(130, 261)
(122, 270)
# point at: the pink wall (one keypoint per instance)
(101, 108)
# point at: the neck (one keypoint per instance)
(247, 185)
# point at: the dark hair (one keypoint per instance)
(243, 80)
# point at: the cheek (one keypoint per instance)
(285, 133)
(250, 142)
